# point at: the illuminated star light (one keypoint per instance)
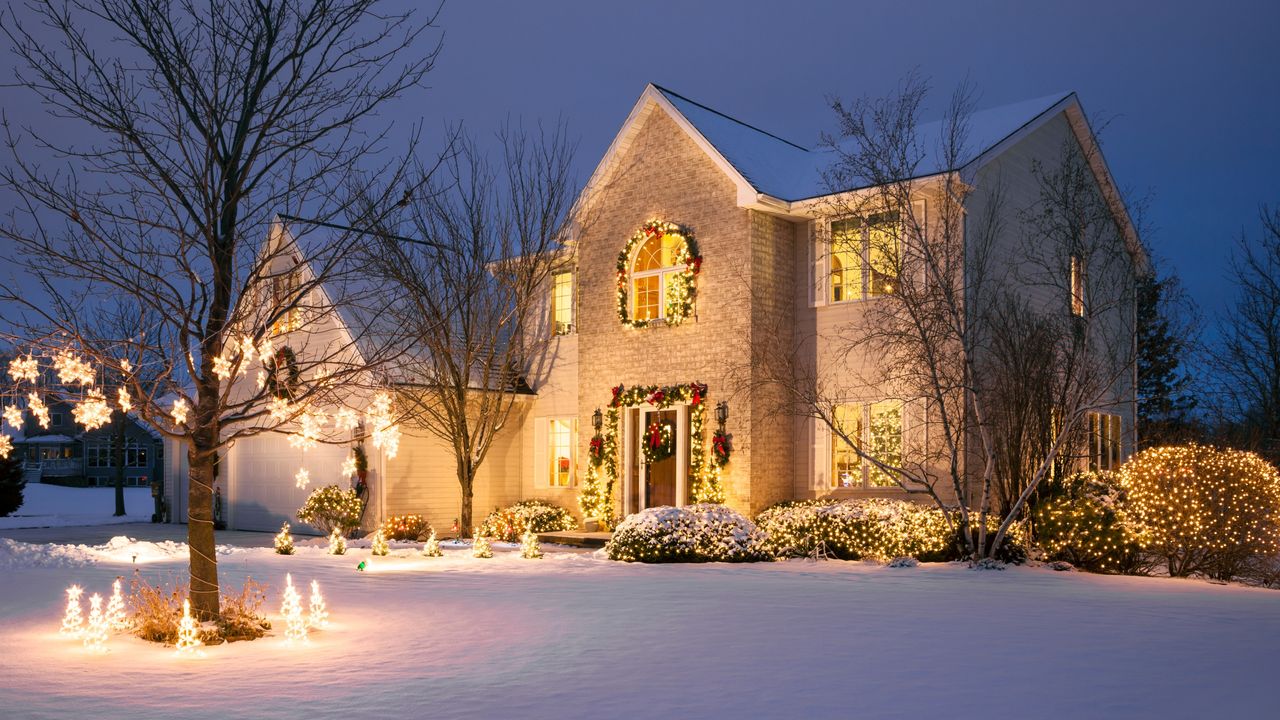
(38, 409)
(6, 446)
(13, 416)
(27, 368)
(72, 369)
(180, 409)
(303, 478)
(93, 412)
(126, 402)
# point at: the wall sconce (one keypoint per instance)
(597, 420)
(722, 412)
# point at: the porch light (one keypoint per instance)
(597, 420)
(722, 412)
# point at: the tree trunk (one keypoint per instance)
(200, 540)
(118, 435)
(466, 478)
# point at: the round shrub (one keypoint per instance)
(695, 533)
(1203, 510)
(409, 528)
(538, 516)
(332, 507)
(864, 528)
(1080, 521)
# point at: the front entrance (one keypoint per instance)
(660, 475)
(658, 481)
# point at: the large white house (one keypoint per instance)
(638, 308)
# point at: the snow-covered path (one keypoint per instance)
(577, 636)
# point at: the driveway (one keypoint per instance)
(155, 532)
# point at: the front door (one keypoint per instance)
(660, 471)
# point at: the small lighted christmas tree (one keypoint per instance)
(295, 629)
(431, 548)
(73, 618)
(529, 548)
(116, 618)
(95, 633)
(317, 614)
(188, 632)
(337, 543)
(480, 547)
(284, 541)
(380, 543)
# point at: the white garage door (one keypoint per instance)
(264, 493)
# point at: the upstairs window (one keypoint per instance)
(864, 256)
(652, 274)
(875, 427)
(284, 293)
(1077, 285)
(562, 303)
(1104, 441)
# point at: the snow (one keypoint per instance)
(576, 635)
(790, 172)
(56, 506)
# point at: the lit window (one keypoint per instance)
(284, 293)
(864, 257)
(562, 303)
(651, 274)
(1077, 285)
(874, 426)
(560, 440)
(1104, 441)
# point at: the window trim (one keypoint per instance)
(865, 466)
(865, 224)
(559, 327)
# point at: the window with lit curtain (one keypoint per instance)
(865, 256)
(284, 290)
(1077, 285)
(562, 303)
(560, 440)
(651, 274)
(1104, 441)
(877, 427)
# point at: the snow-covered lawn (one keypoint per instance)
(55, 506)
(577, 636)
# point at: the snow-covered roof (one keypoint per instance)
(50, 439)
(788, 171)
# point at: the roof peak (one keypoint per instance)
(668, 91)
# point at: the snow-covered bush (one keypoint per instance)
(1080, 520)
(332, 507)
(510, 523)
(865, 528)
(411, 528)
(695, 533)
(1203, 510)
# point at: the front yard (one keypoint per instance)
(575, 635)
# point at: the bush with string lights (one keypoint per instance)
(1081, 519)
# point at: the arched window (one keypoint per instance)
(652, 271)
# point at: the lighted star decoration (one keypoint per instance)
(302, 479)
(247, 350)
(386, 435)
(72, 369)
(349, 466)
(6, 446)
(126, 403)
(262, 379)
(125, 365)
(309, 425)
(267, 350)
(24, 368)
(13, 416)
(346, 420)
(92, 412)
(180, 410)
(222, 367)
(279, 409)
(39, 410)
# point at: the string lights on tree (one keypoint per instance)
(317, 612)
(284, 540)
(188, 633)
(480, 546)
(295, 630)
(115, 614)
(431, 548)
(379, 545)
(337, 543)
(95, 632)
(73, 616)
(529, 548)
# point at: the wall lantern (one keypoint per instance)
(722, 412)
(597, 420)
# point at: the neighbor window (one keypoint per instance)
(98, 455)
(864, 256)
(651, 273)
(561, 441)
(1104, 441)
(562, 303)
(875, 427)
(1077, 285)
(55, 419)
(135, 455)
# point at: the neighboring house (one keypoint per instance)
(65, 454)
(755, 204)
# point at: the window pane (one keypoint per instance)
(885, 441)
(846, 260)
(1077, 285)
(562, 302)
(657, 253)
(846, 466)
(560, 438)
(646, 297)
(882, 253)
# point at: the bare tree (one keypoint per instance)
(1248, 362)
(969, 314)
(201, 122)
(471, 291)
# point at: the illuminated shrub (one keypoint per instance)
(332, 507)
(539, 516)
(705, 532)
(871, 528)
(406, 527)
(1081, 520)
(1203, 510)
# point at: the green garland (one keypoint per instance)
(596, 497)
(681, 293)
(292, 381)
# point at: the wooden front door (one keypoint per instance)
(660, 475)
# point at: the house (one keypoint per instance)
(65, 454)
(698, 236)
